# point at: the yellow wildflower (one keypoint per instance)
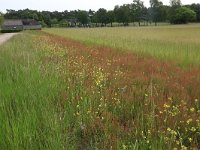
(183, 147)
(124, 146)
(193, 129)
(78, 114)
(168, 129)
(169, 98)
(192, 109)
(166, 106)
(189, 120)
(177, 142)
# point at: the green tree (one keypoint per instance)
(46, 17)
(1, 18)
(82, 17)
(138, 10)
(184, 15)
(122, 14)
(101, 16)
(156, 10)
(172, 12)
(196, 8)
(111, 17)
(54, 21)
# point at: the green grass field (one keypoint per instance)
(180, 44)
(57, 93)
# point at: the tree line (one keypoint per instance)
(136, 12)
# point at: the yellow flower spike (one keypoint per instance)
(149, 131)
(192, 109)
(193, 129)
(124, 146)
(168, 129)
(166, 106)
(196, 100)
(170, 99)
(189, 120)
(146, 95)
(190, 139)
(88, 112)
(177, 142)
(77, 113)
(183, 147)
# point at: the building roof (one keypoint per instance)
(29, 22)
(12, 23)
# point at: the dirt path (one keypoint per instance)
(5, 37)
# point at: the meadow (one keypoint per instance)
(178, 43)
(101, 89)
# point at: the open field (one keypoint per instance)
(180, 44)
(60, 93)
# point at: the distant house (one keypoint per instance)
(12, 25)
(72, 22)
(19, 25)
(30, 24)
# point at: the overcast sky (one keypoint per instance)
(61, 5)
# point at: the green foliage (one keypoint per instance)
(157, 11)
(196, 8)
(1, 18)
(54, 21)
(82, 17)
(101, 16)
(137, 10)
(122, 14)
(63, 23)
(111, 17)
(183, 15)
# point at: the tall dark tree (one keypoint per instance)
(111, 17)
(46, 18)
(82, 17)
(122, 14)
(155, 10)
(196, 8)
(174, 5)
(138, 10)
(101, 16)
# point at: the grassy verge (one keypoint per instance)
(179, 44)
(29, 92)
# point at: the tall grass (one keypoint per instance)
(179, 44)
(57, 97)
(28, 94)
